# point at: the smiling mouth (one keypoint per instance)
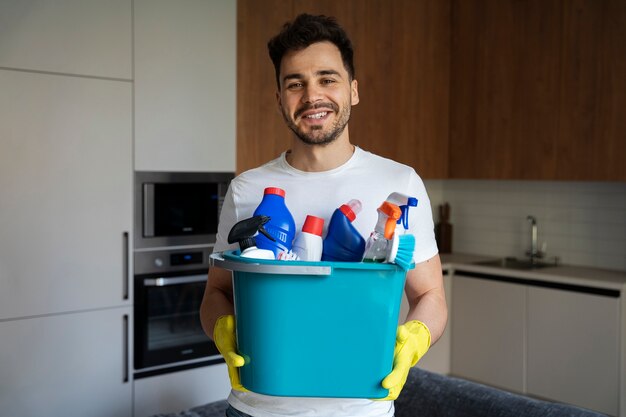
(316, 115)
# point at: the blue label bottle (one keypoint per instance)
(281, 226)
(343, 243)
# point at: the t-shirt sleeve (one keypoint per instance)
(421, 221)
(228, 218)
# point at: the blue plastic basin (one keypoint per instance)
(315, 329)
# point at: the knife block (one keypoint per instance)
(443, 230)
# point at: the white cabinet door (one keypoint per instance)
(66, 187)
(573, 348)
(87, 37)
(70, 365)
(185, 85)
(177, 391)
(488, 319)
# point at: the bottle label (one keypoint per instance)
(277, 233)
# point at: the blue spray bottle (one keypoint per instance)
(281, 227)
(343, 243)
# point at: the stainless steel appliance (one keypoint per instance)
(176, 216)
(169, 285)
(178, 208)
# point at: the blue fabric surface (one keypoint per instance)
(433, 395)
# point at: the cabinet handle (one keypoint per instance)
(126, 349)
(126, 267)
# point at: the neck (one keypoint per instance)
(318, 158)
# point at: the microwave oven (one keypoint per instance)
(178, 208)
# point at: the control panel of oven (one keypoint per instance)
(172, 260)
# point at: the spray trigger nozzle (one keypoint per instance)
(243, 232)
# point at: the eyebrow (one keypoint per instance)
(319, 73)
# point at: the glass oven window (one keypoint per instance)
(185, 209)
(173, 319)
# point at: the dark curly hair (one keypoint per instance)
(306, 30)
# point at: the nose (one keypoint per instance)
(312, 93)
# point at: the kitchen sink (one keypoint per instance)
(514, 263)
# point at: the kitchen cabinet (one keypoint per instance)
(169, 393)
(488, 332)
(71, 365)
(537, 90)
(551, 340)
(591, 142)
(504, 84)
(185, 85)
(85, 37)
(573, 348)
(402, 67)
(66, 187)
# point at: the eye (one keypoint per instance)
(328, 81)
(294, 86)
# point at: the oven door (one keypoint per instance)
(167, 321)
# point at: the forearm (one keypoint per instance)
(426, 296)
(431, 309)
(217, 300)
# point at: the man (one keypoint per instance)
(322, 170)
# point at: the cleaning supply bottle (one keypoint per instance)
(281, 227)
(243, 232)
(343, 243)
(308, 243)
(404, 202)
(379, 243)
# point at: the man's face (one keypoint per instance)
(316, 93)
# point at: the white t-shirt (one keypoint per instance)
(366, 177)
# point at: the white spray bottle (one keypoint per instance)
(404, 202)
(379, 243)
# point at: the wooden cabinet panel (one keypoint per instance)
(401, 61)
(504, 89)
(261, 132)
(538, 90)
(591, 144)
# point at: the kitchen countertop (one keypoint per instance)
(564, 274)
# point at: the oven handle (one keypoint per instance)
(216, 259)
(164, 282)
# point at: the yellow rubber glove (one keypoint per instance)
(224, 338)
(412, 342)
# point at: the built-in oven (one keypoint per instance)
(176, 217)
(178, 208)
(168, 289)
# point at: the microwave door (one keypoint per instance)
(148, 210)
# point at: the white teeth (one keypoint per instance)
(317, 115)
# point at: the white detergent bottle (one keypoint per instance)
(308, 243)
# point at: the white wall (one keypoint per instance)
(583, 223)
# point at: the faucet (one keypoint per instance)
(534, 251)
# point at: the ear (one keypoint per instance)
(278, 100)
(354, 93)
